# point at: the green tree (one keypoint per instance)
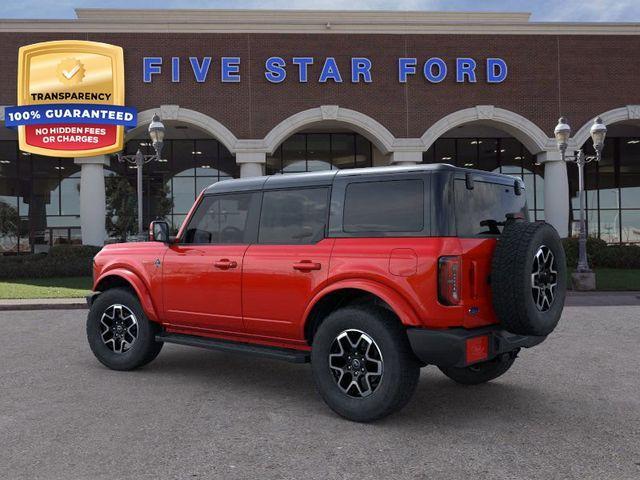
(122, 215)
(162, 203)
(9, 226)
(9, 220)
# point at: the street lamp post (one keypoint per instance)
(562, 133)
(156, 133)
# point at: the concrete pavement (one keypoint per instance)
(569, 408)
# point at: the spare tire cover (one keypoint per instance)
(529, 278)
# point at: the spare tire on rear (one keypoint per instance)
(529, 278)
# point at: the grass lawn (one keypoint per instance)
(617, 279)
(70, 287)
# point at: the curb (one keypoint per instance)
(43, 304)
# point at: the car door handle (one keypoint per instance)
(225, 264)
(306, 266)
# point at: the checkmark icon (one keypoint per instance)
(71, 73)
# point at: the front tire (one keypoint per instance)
(119, 333)
(480, 372)
(362, 363)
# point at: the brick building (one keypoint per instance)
(252, 92)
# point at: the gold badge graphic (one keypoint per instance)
(70, 71)
(70, 98)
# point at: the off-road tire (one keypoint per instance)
(511, 278)
(142, 351)
(480, 372)
(400, 368)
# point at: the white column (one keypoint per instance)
(251, 163)
(406, 158)
(556, 191)
(92, 199)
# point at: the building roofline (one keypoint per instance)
(279, 16)
(310, 21)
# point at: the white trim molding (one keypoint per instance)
(363, 124)
(622, 114)
(200, 120)
(312, 21)
(531, 136)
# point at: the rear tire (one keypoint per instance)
(119, 333)
(480, 372)
(362, 363)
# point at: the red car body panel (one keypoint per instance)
(278, 282)
(202, 286)
(135, 264)
(265, 293)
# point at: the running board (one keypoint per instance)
(286, 354)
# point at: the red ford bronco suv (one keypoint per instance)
(369, 274)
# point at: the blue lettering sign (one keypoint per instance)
(330, 71)
(428, 70)
(496, 70)
(465, 67)
(434, 69)
(360, 67)
(200, 71)
(151, 66)
(275, 69)
(303, 65)
(230, 70)
(175, 69)
(406, 66)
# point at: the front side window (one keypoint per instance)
(223, 219)
(386, 206)
(294, 217)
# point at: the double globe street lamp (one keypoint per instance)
(156, 133)
(598, 132)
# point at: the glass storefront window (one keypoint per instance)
(488, 153)
(612, 190)
(467, 152)
(294, 154)
(306, 152)
(445, 151)
(343, 150)
(318, 151)
(630, 225)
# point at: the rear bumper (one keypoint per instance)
(450, 347)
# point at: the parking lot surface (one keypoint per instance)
(569, 408)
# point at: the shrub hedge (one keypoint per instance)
(61, 261)
(601, 255)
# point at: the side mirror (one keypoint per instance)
(159, 231)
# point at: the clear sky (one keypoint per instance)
(542, 10)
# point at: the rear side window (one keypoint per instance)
(487, 203)
(224, 219)
(294, 217)
(386, 206)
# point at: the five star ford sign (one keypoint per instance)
(70, 99)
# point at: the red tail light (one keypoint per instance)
(449, 280)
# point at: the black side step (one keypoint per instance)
(286, 354)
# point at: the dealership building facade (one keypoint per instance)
(246, 93)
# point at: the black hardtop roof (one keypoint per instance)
(326, 177)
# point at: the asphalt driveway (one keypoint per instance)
(568, 409)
